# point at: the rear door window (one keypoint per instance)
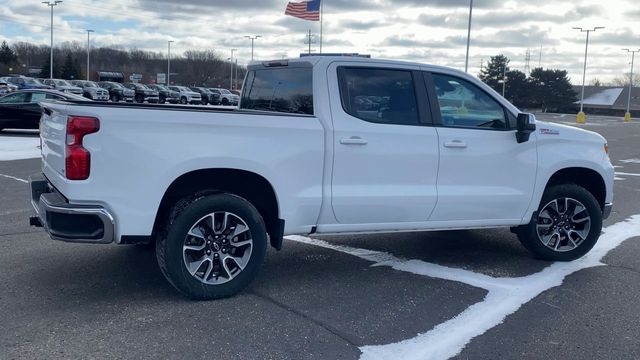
(385, 96)
(286, 89)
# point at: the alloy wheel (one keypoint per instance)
(563, 224)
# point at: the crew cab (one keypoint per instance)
(117, 91)
(143, 93)
(226, 96)
(186, 95)
(318, 145)
(91, 90)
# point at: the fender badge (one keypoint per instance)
(549, 132)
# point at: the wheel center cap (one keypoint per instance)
(216, 246)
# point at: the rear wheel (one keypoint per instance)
(225, 102)
(139, 99)
(115, 98)
(213, 246)
(567, 225)
(162, 99)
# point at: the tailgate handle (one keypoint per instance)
(456, 144)
(47, 111)
(354, 140)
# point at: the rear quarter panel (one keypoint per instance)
(138, 153)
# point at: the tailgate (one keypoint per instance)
(53, 125)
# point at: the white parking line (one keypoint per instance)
(14, 178)
(626, 174)
(505, 296)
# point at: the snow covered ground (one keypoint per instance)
(19, 147)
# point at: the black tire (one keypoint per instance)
(139, 99)
(88, 96)
(187, 212)
(115, 98)
(225, 102)
(528, 234)
(183, 100)
(162, 99)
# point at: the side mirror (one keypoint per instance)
(525, 125)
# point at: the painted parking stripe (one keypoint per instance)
(505, 295)
(14, 178)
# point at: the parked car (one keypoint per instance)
(7, 86)
(187, 96)
(24, 83)
(117, 91)
(165, 94)
(91, 90)
(21, 109)
(214, 197)
(62, 85)
(226, 97)
(143, 93)
(4, 88)
(207, 96)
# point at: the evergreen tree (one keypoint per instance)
(492, 74)
(552, 90)
(7, 56)
(45, 70)
(71, 68)
(517, 89)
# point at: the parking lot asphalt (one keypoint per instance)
(474, 294)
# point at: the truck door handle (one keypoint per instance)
(354, 140)
(456, 144)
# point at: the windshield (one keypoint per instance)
(31, 81)
(225, 91)
(62, 83)
(117, 85)
(90, 84)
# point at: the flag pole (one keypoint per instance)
(321, 21)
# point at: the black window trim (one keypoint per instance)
(424, 106)
(252, 69)
(433, 96)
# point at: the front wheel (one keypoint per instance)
(213, 246)
(183, 100)
(567, 225)
(115, 98)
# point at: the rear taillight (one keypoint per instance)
(78, 159)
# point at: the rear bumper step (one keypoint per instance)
(67, 222)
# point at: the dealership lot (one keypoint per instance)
(323, 299)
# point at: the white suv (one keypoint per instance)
(187, 96)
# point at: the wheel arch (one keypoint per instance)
(251, 186)
(587, 178)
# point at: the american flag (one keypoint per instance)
(308, 10)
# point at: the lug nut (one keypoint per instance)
(208, 252)
(215, 255)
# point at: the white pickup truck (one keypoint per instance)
(318, 145)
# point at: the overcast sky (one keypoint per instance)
(428, 31)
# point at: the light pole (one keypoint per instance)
(231, 69)
(504, 78)
(235, 83)
(466, 61)
(51, 4)
(627, 115)
(169, 62)
(581, 116)
(88, 52)
(252, 38)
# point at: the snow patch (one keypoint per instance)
(630, 161)
(18, 148)
(14, 178)
(505, 295)
(626, 174)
